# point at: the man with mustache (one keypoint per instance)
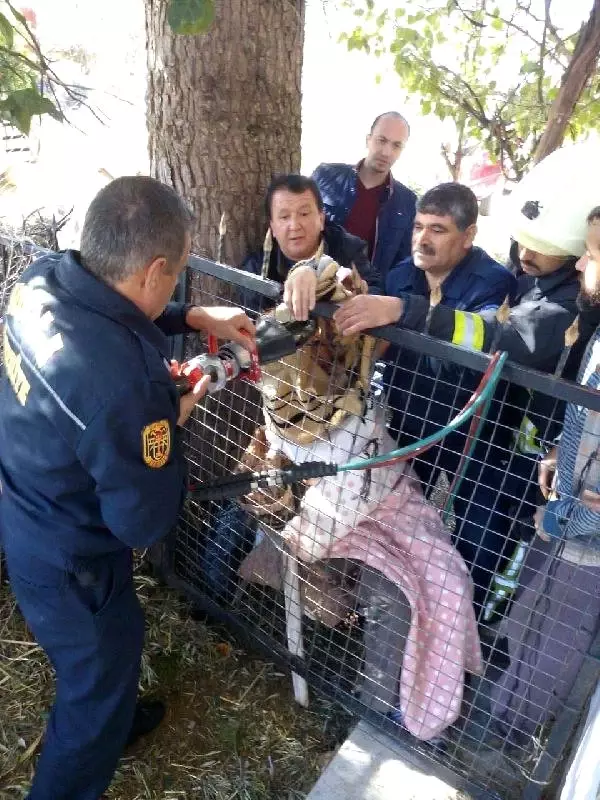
(423, 394)
(499, 485)
(367, 201)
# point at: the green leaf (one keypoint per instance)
(19, 17)
(19, 107)
(497, 24)
(530, 66)
(7, 31)
(190, 17)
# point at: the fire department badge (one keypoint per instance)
(156, 443)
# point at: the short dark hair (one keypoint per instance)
(395, 114)
(452, 200)
(293, 183)
(593, 215)
(131, 221)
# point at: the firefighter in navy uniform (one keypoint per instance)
(90, 463)
(550, 207)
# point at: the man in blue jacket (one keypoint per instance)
(91, 466)
(444, 266)
(498, 494)
(424, 393)
(367, 200)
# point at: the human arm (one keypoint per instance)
(571, 517)
(132, 453)
(224, 322)
(172, 321)
(533, 335)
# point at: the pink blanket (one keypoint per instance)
(404, 538)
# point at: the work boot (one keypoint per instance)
(148, 716)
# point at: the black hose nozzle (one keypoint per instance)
(246, 482)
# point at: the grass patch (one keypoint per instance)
(232, 732)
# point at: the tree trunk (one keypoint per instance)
(224, 114)
(581, 68)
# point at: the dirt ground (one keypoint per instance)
(232, 732)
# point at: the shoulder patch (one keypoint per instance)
(156, 443)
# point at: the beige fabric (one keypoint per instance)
(278, 504)
(314, 390)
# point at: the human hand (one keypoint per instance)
(300, 292)
(367, 311)
(188, 401)
(538, 521)
(224, 322)
(546, 472)
(590, 499)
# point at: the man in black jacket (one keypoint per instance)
(298, 231)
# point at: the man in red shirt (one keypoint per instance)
(367, 201)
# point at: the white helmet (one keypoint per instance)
(550, 205)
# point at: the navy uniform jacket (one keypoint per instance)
(425, 387)
(89, 458)
(534, 335)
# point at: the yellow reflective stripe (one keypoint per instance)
(479, 332)
(527, 438)
(469, 330)
(458, 336)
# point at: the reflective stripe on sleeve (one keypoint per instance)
(468, 330)
(527, 438)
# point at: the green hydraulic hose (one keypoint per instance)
(478, 400)
(242, 483)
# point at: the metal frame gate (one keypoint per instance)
(216, 437)
(215, 440)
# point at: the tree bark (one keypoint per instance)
(224, 114)
(581, 68)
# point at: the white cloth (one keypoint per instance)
(583, 778)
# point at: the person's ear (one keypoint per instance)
(367, 140)
(154, 272)
(470, 235)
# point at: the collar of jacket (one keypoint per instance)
(93, 293)
(546, 284)
(450, 283)
(387, 185)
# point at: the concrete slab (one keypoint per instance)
(369, 766)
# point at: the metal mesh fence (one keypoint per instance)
(415, 592)
(360, 582)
